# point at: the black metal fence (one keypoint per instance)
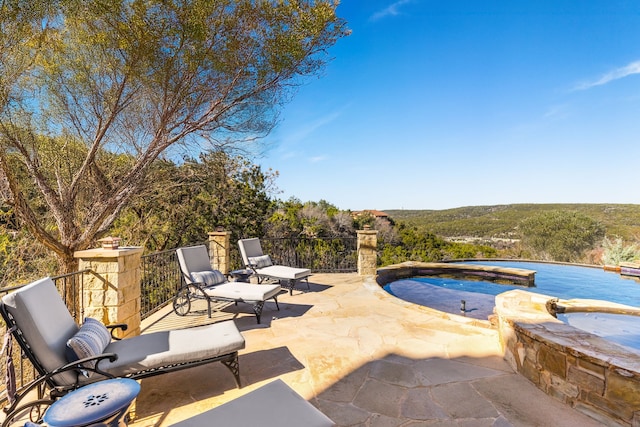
(161, 277)
(161, 280)
(331, 255)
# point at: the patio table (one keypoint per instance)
(103, 403)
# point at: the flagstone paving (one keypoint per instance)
(362, 357)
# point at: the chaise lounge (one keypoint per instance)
(203, 282)
(67, 357)
(263, 267)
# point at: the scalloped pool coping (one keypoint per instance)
(516, 276)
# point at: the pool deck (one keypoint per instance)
(364, 358)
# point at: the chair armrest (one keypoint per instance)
(79, 365)
(200, 286)
(115, 327)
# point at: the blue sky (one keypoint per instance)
(436, 104)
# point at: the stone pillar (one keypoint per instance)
(367, 251)
(220, 250)
(112, 293)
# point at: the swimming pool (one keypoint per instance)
(557, 280)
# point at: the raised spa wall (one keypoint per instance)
(589, 373)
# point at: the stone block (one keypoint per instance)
(94, 298)
(590, 368)
(586, 380)
(94, 312)
(622, 387)
(602, 417)
(530, 371)
(612, 408)
(112, 297)
(553, 361)
(566, 388)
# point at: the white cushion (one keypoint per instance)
(90, 340)
(239, 291)
(164, 348)
(250, 409)
(209, 278)
(260, 261)
(284, 272)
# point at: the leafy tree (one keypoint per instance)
(467, 250)
(180, 204)
(561, 235)
(292, 218)
(615, 251)
(93, 93)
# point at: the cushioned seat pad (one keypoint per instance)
(272, 405)
(243, 291)
(284, 272)
(164, 348)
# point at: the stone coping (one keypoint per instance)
(108, 253)
(528, 313)
(516, 276)
(587, 372)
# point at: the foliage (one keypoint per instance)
(21, 258)
(615, 251)
(561, 235)
(181, 204)
(502, 221)
(292, 218)
(92, 94)
(415, 245)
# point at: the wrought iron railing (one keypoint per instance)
(161, 276)
(160, 281)
(330, 255)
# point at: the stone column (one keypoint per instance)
(367, 251)
(112, 293)
(220, 250)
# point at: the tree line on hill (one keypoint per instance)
(181, 203)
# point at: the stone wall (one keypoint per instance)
(367, 251)
(589, 373)
(112, 293)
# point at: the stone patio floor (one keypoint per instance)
(364, 358)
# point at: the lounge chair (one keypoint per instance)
(40, 322)
(203, 282)
(288, 407)
(263, 267)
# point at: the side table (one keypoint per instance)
(100, 404)
(242, 275)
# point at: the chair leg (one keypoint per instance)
(291, 285)
(257, 309)
(276, 300)
(234, 367)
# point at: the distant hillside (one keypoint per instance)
(501, 221)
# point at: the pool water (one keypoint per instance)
(557, 280)
(618, 328)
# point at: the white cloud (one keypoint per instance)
(318, 159)
(560, 111)
(391, 10)
(618, 73)
(307, 129)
